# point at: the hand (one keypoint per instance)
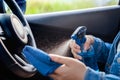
(75, 48)
(72, 69)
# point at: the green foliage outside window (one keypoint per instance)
(42, 6)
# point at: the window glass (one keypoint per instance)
(42, 6)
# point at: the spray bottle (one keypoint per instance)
(88, 57)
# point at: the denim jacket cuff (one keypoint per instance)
(93, 75)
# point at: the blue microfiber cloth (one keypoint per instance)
(40, 60)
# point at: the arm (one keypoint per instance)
(101, 48)
(73, 69)
(95, 75)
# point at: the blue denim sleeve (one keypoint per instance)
(95, 75)
(101, 49)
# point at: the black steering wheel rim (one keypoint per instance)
(14, 59)
(17, 11)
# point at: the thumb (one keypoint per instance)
(86, 46)
(60, 59)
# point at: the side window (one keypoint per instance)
(106, 2)
(43, 6)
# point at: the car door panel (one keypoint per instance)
(51, 29)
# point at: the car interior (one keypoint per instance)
(50, 32)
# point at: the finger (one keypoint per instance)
(87, 44)
(60, 59)
(76, 50)
(76, 56)
(74, 45)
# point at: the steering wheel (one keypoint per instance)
(15, 33)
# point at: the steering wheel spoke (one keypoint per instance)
(2, 37)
